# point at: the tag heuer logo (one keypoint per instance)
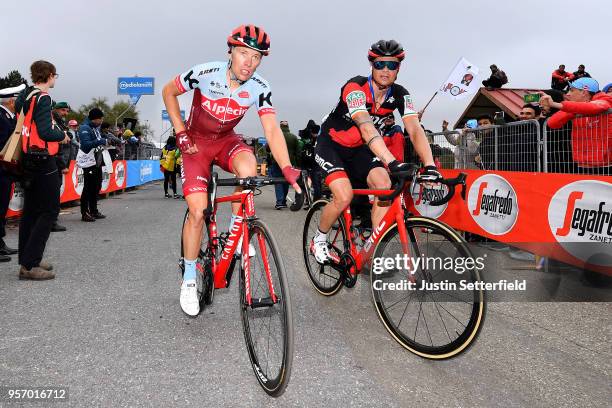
(355, 99)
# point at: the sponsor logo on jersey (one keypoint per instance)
(355, 99)
(223, 109)
(208, 71)
(265, 98)
(243, 94)
(408, 105)
(192, 83)
(493, 204)
(580, 219)
(260, 82)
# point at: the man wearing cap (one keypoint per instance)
(91, 138)
(60, 111)
(7, 125)
(591, 136)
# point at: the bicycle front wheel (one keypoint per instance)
(325, 279)
(268, 321)
(421, 303)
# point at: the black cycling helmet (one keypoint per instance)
(384, 48)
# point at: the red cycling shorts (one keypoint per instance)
(195, 172)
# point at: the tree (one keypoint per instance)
(13, 78)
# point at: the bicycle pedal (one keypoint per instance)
(261, 302)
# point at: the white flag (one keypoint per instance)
(462, 81)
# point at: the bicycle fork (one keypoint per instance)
(268, 301)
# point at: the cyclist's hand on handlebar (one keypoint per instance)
(184, 143)
(292, 175)
(429, 175)
(397, 166)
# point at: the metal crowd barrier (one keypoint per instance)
(582, 146)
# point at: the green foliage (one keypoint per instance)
(13, 78)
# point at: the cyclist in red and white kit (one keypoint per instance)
(223, 92)
(350, 149)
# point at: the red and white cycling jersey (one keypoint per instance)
(215, 109)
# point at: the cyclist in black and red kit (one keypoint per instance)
(350, 149)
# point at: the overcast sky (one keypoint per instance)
(315, 46)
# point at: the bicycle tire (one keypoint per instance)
(472, 307)
(274, 382)
(326, 280)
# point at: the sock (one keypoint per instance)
(320, 236)
(190, 269)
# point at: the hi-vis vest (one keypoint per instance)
(29, 134)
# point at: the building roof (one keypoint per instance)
(489, 101)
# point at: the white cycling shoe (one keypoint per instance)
(189, 297)
(321, 252)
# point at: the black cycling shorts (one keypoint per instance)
(339, 161)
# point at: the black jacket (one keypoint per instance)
(65, 150)
(7, 125)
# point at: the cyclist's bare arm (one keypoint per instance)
(276, 141)
(170, 94)
(418, 139)
(371, 136)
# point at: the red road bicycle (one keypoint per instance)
(265, 302)
(420, 303)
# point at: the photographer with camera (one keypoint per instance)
(41, 183)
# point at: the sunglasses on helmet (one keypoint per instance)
(392, 65)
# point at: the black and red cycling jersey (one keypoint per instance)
(357, 96)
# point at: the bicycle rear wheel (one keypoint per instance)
(267, 325)
(325, 279)
(433, 319)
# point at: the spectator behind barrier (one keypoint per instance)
(486, 151)
(558, 145)
(607, 89)
(393, 137)
(466, 148)
(591, 133)
(519, 143)
(497, 79)
(560, 78)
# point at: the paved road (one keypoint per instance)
(110, 328)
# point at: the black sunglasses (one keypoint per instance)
(392, 65)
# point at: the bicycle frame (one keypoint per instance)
(220, 268)
(395, 215)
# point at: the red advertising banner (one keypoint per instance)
(563, 216)
(72, 185)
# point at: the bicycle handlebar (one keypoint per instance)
(251, 182)
(408, 175)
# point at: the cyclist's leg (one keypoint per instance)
(378, 179)
(195, 174)
(237, 157)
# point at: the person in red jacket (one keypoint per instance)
(591, 131)
(393, 137)
(560, 78)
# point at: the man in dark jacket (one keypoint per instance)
(581, 73)
(7, 125)
(60, 111)
(91, 138)
(497, 79)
